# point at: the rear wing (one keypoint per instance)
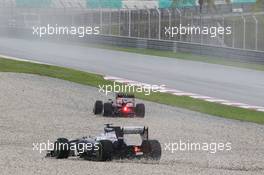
(121, 131)
(134, 129)
(141, 130)
(124, 95)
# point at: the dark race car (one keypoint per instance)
(122, 106)
(112, 144)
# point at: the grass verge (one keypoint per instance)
(91, 79)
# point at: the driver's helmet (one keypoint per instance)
(119, 100)
(125, 100)
(106, 129)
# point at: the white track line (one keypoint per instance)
(259, 109)
(201, 97)
(20, 59)
(170, 91)
(181, 93)
(184, 94)
(216, 100)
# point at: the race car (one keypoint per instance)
(123, 106)
(111, 144)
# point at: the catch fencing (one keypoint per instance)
(146, 28)
(247, 28)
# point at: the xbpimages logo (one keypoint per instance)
(186, 146)
(130, 88)
(80, 31)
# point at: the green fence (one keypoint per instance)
(244, 1)
(184, 3)
(116, 4)
(33, 3)
(165, 3)
(191, 3)
(104, 4)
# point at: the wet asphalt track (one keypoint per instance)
(229, 83)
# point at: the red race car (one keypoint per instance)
(122, 106)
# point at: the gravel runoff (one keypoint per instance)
(34, 109)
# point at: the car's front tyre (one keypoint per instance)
(98, 107)
(140, 110)
(61, 148)
(108, 110)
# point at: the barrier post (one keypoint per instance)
(256, 35)
(180, 20)
(159, 33)
(233, 33)
(169, 21)
(223, 23)
(244, 32)
(119, 22)
(148, 21)
(101, 20)
(110, 21)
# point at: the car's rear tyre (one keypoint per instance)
(105, 150)
(98, 107)
(108, 109)
(140, 110)
(61, 148)
(151, 149)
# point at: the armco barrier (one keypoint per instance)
(230, 53)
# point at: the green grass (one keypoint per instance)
(95, 80)
(187, 56)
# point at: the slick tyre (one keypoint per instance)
(105, 150)
(140, 110)
(61, 148)
(98, 107)
(108, 110)
(151, 149)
